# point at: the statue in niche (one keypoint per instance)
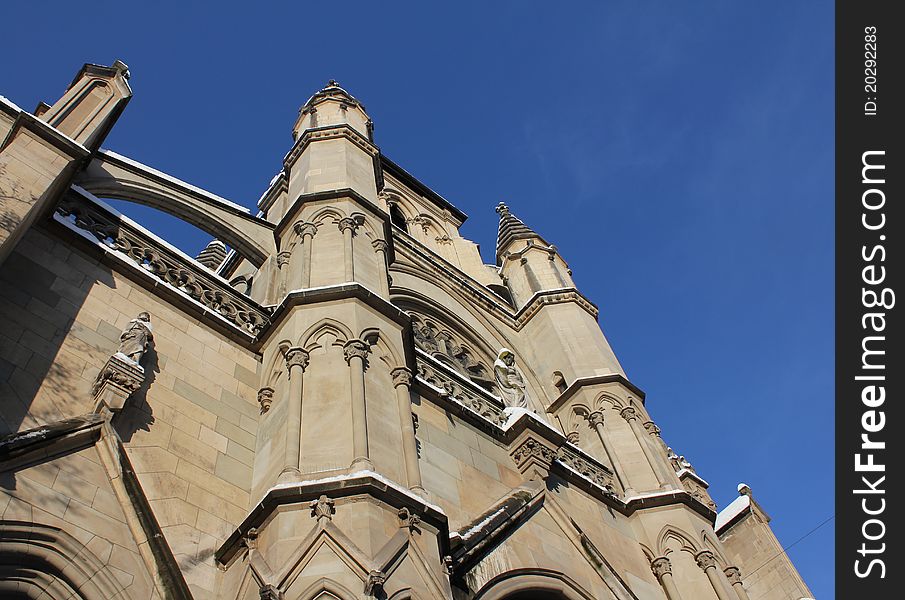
(509, 380)
(135, 338)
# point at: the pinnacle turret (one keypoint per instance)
(511, 228)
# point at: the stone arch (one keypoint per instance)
(341, 332)
(709, 542)
(327, 589)
(327, 214)
(274, 369)
(391, 355)
(405, 207)
(669, 533)
(578, 416)
(38, 558)
(110, 175)
(605, 398)
(523, 583)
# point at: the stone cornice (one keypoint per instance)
(292, 213)
(594, 380)
(342, 291)
(329, 132)
(63, 143)
(354, 484)
(559, 296)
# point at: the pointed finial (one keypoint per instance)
(332, 83)
(502, 209)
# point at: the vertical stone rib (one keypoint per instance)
(707, 562)
(296, 362)
(596, 421)
(631, 416)
(663, 572)
(402, 380)
(356, 353)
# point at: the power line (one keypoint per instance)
(784, 550)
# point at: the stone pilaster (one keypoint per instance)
(356, 355)
(662, 570)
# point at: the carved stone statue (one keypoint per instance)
(509, 380)
(134, 340)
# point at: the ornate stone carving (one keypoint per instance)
(468, 394)
(733, 574)
(509, 380)
(595, 418)
(135, 338)
(380, 245)
(271, 592)
(660, 567)
(628, 413)
(443, 345)
(599, 475)
(409, 520)
(356, 349)
(652, 428)
(302, 228)
(250, 539)
(533, 453)
(283, 259)
(573, 437)
(116, 381)
(443, 239)
(150, 254)
(705, 559)
(296, 357)
(265, 398)
(322, 508)
(375, 582)
(401, 376)
(352, 223)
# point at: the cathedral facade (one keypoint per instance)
(337, 399)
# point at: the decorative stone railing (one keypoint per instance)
(161, 260)
(594, 472)
(459, 388)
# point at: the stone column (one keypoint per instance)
(380, 246)
(631, 416)
(296, 362)
(735, 578)
(302, 272)
(348, 226)
(596, 421)
(659, 452)
(283, 266)
(356, 354)
(707, 562)
(402, 381)
(663, 572)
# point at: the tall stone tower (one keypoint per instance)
(337, 399)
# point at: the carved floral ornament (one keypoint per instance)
(303, 228)
(660, 567)
(401, 376)
(356, 349)
(265, 398)
(296, 357)
(733, 575)
(705, 559)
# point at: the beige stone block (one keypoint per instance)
(152, 459)
(233, 471)
(107, 503)
(75, 487)
(213, 439)
(217, 487)
(158, 486)
(208, 501)
(212, 525)
(173, 511)
(193, 450)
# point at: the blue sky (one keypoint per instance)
(680, 156)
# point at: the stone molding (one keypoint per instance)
(329, 132)
(401, 376)
(534, 456)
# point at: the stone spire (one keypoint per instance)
(511, 228)
(333, 105)
(213, 255)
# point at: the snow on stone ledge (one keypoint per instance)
(356, 475)
(734, 509)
